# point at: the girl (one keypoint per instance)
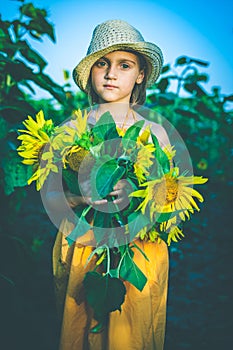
(118, 67)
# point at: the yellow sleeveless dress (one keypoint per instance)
(141, 323)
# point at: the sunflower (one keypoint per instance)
(175, 234)
(169, 151)
(77, 126)
(75, 155)
(145, 135)
(121, 132)
(34, 138)
(202, 164)
(44, 168)
(143, 162)
(149, 235)
(36, 147)
(169, 194)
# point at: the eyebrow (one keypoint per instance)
(119, 60)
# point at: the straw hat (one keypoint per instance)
(115, 35)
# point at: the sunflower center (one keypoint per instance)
(75, 158)
(166, 191)
(172, 190)
(159, 193)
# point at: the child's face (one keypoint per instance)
(113, 76)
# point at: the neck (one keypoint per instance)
(122, 114)
(117, 110)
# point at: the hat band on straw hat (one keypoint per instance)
(116, 35)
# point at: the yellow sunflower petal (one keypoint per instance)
(192, 192)
(144, 137)
(139, 193)
(81, 121)
(192, 201)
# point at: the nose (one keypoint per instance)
(111, 73)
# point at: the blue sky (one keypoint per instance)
(199, 29)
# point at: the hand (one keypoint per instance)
(85, 187)
(120, 191)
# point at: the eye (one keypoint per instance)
(100, 63)
(125, 65)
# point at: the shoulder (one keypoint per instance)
(161, 134)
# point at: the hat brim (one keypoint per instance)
(150, 51)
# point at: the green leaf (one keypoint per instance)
(228, 98)
(187, 113)
(162, 217)
(163, 84)
(162, 164)
(28, 86)
(102, 227)
(80, 229)
(131, 135)
(166, 68)
(71, 179)
(19, 70)
(5, 60)
(130, 272)
(194, 88)
(38, 20)
(114, 273)
(166, 99)
(32, 56)
(46, 83)
(180, 61)
(16, 174)
(28, 10)
(104, 176)
(101, 220)
(104, 293)
(41, 26)
(17, 111)
(105, 128)
(200, 62)
(134, 245)
(136, 222)
(3, 128)
(99, 250)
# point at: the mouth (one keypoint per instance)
(109, 86)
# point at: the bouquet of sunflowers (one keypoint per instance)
(160, 198)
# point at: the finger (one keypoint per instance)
(118, 192)
(114, 193)
(89, 201)
(118, 200)
(118, 187)
(100, 202)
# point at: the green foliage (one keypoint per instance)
(129, 271)
(105, 168)
(204, 120)
(21, 65)
(21, 69)
(15, 173)
(104, 294)
(105, 128)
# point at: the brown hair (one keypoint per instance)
(138, 95)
